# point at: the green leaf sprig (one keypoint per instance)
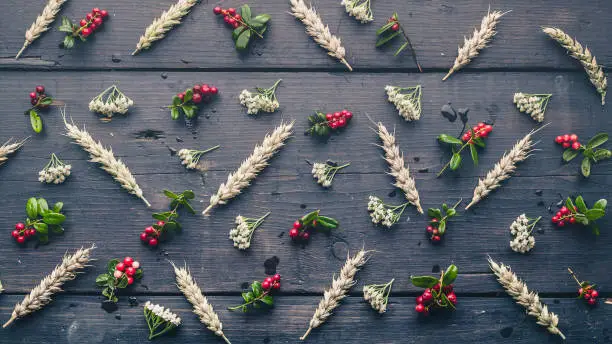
(319, 125)
(438, 290)
(258, 295)
(591, 154)
(581, 214)
(439, 219)
(473, 138)
(41, 221)
(245, 25)
(119, 275)
(311, 222)
(392, 29)
(167, 221)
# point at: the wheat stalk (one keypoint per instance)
(479, 40)
(250, 167)
(588, 61)
(526, 298)
(201, 307)
(105, 157)
(41, 295)
(398, 167)
(41, 24)
(319, 31)
(10, 147)
(168, 19)
(338, 290)
(504, 168)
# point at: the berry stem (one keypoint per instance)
(414, 57)
(574, 276)
(247, 25)
(448, 163)
(250, 302)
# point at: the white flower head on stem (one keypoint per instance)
(532, 104)
(385, 214)
(378, 295)
(521, 228)
(190, 158)
(360, 9)
(159, 319)
(324, 173)
(243, 233)
(407, 103)
(264, 100)
(55, 172)
(110, 101)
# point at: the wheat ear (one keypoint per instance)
(10, 147)
(526, 298)
(201, 307)
(249, 168)
(479, 40)
(339, 288)
(41, 295)
(105, 157)
(504, 168)
(157, 30)
(398, 167)
(588, 61)
(319, 31)
(41, 24)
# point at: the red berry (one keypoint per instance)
(566, 145)
(436, 238)
(226, 19)
(395, 27)
(217, 10)
(89, 16)
(572, 220)
(33, 95)
(573, 137)
(276, 277)
(86, 32)
(594, 293)
(33, 101)
(559, 215)
(559, 139)
(214, 90)
(306, 236)
(434, 220)
(269, 280)
(430, 229)
(276, 285)
(144, 236)
(333, 125)
(231, 11)
(21, 239)
(15, 233)
(265, 285)
(32, 231)
(314, 223)
(130, 271)
(580, 291)
(488, 128)
(564, 210)
(161, 223)
(427, 296)
(293, 233)
(592, 302)
(419, 308)
(19, 226)
(297, 225)
(128, 261)
(236, 25)
(329, 116)
(419, 300)
(337, 115)
(348, 115)
(576, 145)
(197, 98)
(149, 230)
(555, 219)
(344, 111)
(452, 298)
(435, 231)
(181, 96)
(98, 21)
(120, 266)
(95, 10)
(104, 13)
(447, 289)
(341, 122)
(197, 89)
(231, 21)
(130, 280)
(153, 242)
(40, 89)
(561, 224)
(436, 287)
(93, 27)
(83, 23)
(224, 12)
(237, 17)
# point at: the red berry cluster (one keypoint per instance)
(338, 119)
(568, 140)
(201, 93)
(37, 97)
(92, 21)
(589, 294)
(564, 216)
(271, 282)
(230, 16)
(128, 267)
(393, 19)
(300, 231)
(151, 235)
(432, 231)
(21, 233)
(426, 301)
(481, 130)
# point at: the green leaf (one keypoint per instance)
(595, 229)
(268, 300)
(54, 218)
(102, 280)
(189, 110)
(138, 274)
(383, 40)
(41, 228)
(46, 101)
(307, 219)
(434, 212)
(398, 51)
(327, 222)
(594, 214)
(261, 19)
(188, 194)
(245, 297)
(188, 95)
(57, 207)
(455, 161)
(110, 267)
(597, 140)
(35, 121)
(581, 205)
(479, 142)
(57, 229)
(245, 12)
(32, 208)
(442, 227)
(257, 289)
(423, 281)
(174, 113)
(451, 212)
(444, 207)
(171, 226)
(446, 301)
(243, 40)
(249, 296)
(170, 194)
(474, 154)
(585, 167)
(68, 41)
(582, 219)
(237, 31)
(570, 154)
(569, 204)
(43, 207)
(123, 282)
(601, 204)
(176, 101)
(384, 28)
(601, 154)
(159, 216)
(450, 275)
(449, 139)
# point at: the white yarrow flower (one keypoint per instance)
(324, 173)
(243, 233)
(408, 103)
(55, 172)
(360, 9)
(110, 102)
(532, 104)
(378, 295)
(190, 158)
(159, 319)
(521, 228)
(384, 214)
(262, 101)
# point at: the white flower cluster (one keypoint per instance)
(324, 173)
(359, 9)
(408, 104)
(378, 295)
(243, 233)
(384, 214)
(532, 104)
(110, 102)
(257, 102)
(163, 313)
(55, 172)
(191, 157)
(521, 229)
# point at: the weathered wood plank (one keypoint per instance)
(78, 319)
(435, 27)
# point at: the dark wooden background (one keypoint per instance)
(201, 50)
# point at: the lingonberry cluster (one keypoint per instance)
(586, 291)
(40, 222)
(259, 293)
(437, 225)
(119, 275)
(392, 29)
(128, 267)
(271, 282)
(21, 233)
(481, 130)
(438, 291)
(324, 124)
(230, 16)
(312, 221)
(564, 216)
(393, 19)
(38, 96)
(338, 119)
(39, 101)
(472, 138)
(167, 221)
(245, 24)
(568, 140)
(86, 26)
(577, 212)
(188, 101)
(151, 234)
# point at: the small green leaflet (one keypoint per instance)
(35, 121)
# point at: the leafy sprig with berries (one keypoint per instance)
(438, 291)
(244, 24)
(323, 124)
(578, 212)
(187, 102)
(311, 222)
(392, 29)
(119, 275)
(473, 138)
(167, 221)
(40, 101)
(439, 219)
(41, 221)
(587, 289)
(260, 294)
(92, 22)
(591, 154)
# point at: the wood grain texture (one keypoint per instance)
(436, 29)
